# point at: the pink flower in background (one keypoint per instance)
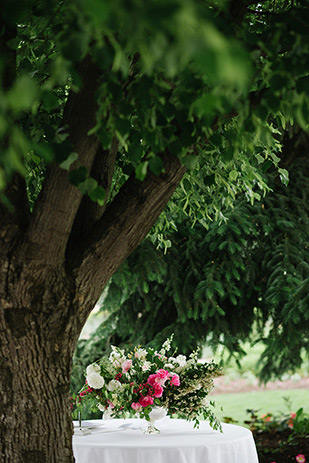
(126, 365)
(293, 416)
(136, 406)
(158, 390)
(175, 381)
(300, 458)
(145, 401)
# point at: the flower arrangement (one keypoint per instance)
(137, 382)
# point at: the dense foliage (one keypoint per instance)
(172, 73)
(246, 278)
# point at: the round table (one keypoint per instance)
(122, 441)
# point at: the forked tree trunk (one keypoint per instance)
(54, 264)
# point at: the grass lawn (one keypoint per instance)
(235, 405)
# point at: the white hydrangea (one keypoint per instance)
(93, 368)
(95, 380)
(114, 386)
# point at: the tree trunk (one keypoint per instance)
(36, 350)
(35, 416)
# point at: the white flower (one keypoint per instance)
(168, 366)
(140, 354)
(93, 368)
(146, 366)
(114, 386)
(101, 408)
(95, 380)
(181, 360)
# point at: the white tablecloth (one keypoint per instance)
(122, 441)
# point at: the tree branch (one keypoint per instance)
(123, 226)
(57, 205)
(89, 212)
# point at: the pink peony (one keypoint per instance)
(158, 390)
(136, 406)
(145, 401)
(175, 381)
(300, 458)
(126, 365)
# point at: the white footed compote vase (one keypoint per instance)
(156, 414)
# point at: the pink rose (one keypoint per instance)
(145, 401)
(158, 390)
(126, 365)
(152, 379)
(293, 416)
(175, 381)
(136, 406)
(163, 374)
(300, 458)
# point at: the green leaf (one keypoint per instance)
(284, 176)
(156, 165)
(141, 170)
(23, 94)
(98, 195)
(69, 161)
(233, 175)
(189, 161)
(77, 176)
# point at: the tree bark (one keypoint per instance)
(35, 415)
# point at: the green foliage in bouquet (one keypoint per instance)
(138, 382)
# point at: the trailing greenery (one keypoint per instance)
(246, 278)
